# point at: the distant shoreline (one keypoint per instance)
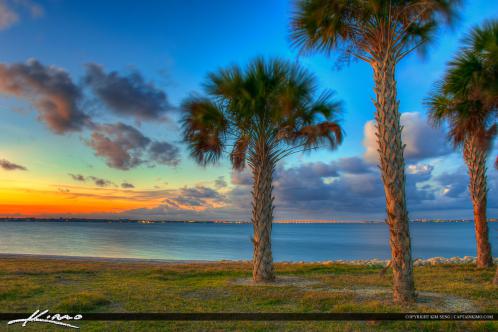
(129, 260)
(73, 220)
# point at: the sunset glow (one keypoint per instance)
(90, 119)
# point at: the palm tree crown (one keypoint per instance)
(274, 101)
(369, 29)
(467, 97)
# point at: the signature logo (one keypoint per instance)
(43, 317)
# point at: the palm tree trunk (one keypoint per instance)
(262, 212)
(392, 167)
(475, 158)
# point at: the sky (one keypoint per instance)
(89, 115)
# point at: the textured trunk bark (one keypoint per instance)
(495, 280)
(262, 212)
(392, 167)
(475, 158)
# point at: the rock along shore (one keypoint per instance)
(416, 262)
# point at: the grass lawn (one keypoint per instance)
(79, 286)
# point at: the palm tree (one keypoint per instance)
(381, 33)
(467, 99)
(495, 280)
(262, 114)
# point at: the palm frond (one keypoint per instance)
(367, 29)
(272, 101)
(204, 128)
(467, 97)
(239, 152)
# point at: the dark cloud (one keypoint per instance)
(164, 153)
(50, 90)
(241, 177)
(119, 144)
(191, 203)
(127, 94)
(57, 100)
(220, 182)
(101, 182)
(422, 141)
(124, 147)
(455, 184)
(77, 177)
(198, 196)
(326, 190)
(126, 185)
(96, 180)
(334, 190)
(353, 165)
(10, 166)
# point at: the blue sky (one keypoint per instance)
(173, 45)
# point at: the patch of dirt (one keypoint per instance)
(441, 302)
(281, 281)
(437, 301)
(449, 303)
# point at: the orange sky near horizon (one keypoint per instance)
(39, 203)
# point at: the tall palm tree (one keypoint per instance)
(467, 99)
(262, 114)
(381, 33)
(495, 280)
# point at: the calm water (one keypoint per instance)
(291, 242)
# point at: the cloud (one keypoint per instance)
(421, 140)
(313, 190)
(10, 166)
(164, 153)
(127, 95)
(345, 187)
(124, 147)
(51, 91)
(126, 185)
(419, 169)
(96, 180)
(353, 165)
(309, 188)
(220, 182)
(57, 99)
(119, 144)
(241, 177)
(195, 197)
(77, 177)
(101, 182)
(8, 16)
(453, 184)
(191, 203)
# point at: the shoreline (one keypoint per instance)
(373, 261)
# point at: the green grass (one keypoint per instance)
(74, 286)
